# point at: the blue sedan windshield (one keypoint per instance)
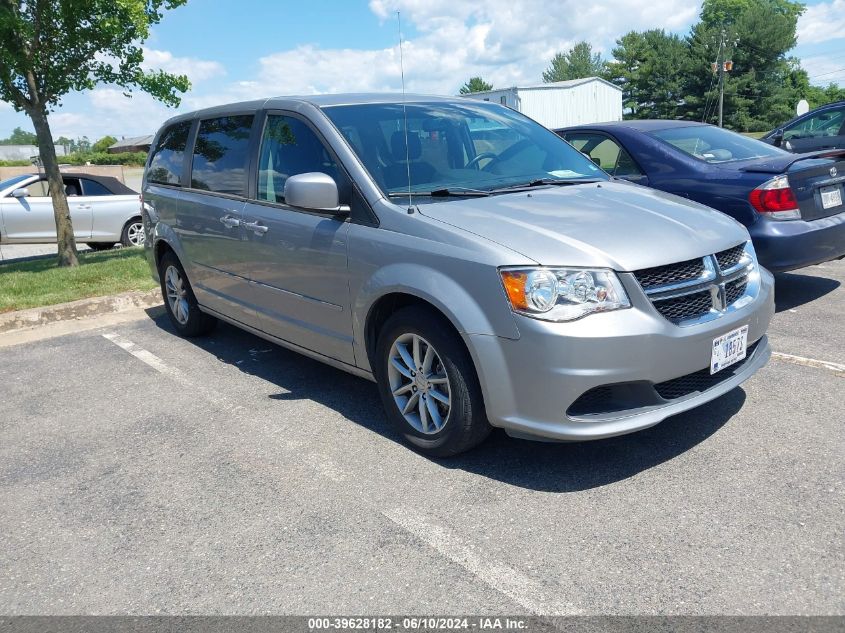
(716, 145)
(467, 146)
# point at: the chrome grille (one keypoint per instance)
(671, 274)
(699, 289)
(686, 307)
(731, 257)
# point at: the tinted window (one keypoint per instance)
(166, 160)
(716, 145)
(605, 152)
(826, 123)
(289, 147)
(93, 188)
(221, 155)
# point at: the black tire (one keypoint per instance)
(195, 322)
(132, 231)
(100, 246)
(466, 423)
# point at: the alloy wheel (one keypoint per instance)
(176, 294)
(419, 383)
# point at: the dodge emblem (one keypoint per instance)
(833, 172)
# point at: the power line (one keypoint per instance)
(832, 72)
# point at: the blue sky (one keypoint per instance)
(254, 48)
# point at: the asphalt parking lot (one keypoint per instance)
(141, 473)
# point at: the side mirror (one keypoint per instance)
(777, 137)
(23, 192)
(314, 190)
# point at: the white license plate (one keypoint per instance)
(831, 197)
(728, 349)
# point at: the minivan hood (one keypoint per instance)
(609, 224)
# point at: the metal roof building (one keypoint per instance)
(134, 144)
(24, 152)
(561, 103)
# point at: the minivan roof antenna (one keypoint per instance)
(405, 115)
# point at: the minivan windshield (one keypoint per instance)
(716, 145)
(457, 148)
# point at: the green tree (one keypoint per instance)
(475, 84)
(577, 63)
(20, 137)
(103, 144)
(756, 35)
(648, 66)
(51, 47)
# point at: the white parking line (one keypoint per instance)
(498, 576)
(809, 362)
(143, 355)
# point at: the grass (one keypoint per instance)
(754, 134)
(40, 282)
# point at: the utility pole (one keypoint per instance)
(722, 66)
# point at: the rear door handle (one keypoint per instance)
(230, 222)
(255, 227)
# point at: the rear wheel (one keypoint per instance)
(428, 383)
(133, 233)
(179, 300)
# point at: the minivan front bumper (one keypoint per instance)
(531, 384)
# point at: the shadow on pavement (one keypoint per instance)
(549, 467)
(793, 289)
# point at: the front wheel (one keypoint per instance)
(179, 300)
(428, 384)
(133, 233)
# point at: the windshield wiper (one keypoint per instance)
(541, 182)
(457, 192)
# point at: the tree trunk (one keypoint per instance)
(64, 226)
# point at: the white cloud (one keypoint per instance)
(822, 22)
(197, 70)
(505, 41)
(823, 69)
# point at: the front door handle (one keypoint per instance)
(255, 227)
(83, 206)
(229, 222)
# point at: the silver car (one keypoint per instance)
(474, 265)
(103, 211)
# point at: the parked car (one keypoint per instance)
(475, 266)
(822, 128)
(103, 211)
(791, 204)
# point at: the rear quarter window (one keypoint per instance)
(167, 157)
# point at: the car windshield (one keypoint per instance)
(5, 184)
(716, 145)
(471, 147)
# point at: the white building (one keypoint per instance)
(24, 152)
(562, 103)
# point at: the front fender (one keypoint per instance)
(484, 311)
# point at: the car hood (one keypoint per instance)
(610, 224)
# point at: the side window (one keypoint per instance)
(38, 189)
(93, 188)
(221, 155)
(289, 147)
(605, 152)
(826, 123)
(166, 159)
(72, 187)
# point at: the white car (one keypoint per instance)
(103, 211)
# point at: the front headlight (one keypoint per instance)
(563, 294)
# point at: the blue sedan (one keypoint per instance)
(792, 204)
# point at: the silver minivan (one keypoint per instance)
(474, 265)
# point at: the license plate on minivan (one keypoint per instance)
(728, 349)
(831, 197)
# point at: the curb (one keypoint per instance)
(80, 309)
